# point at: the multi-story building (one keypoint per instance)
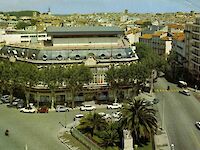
(179, 64)
(95, 47)
(159, 42)
(192, 37)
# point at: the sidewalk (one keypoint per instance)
(161, 140)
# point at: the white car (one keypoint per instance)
(60, 108)
(107, 116)
(28, 110)
(78, 116)
(87, 108)
(102, 114)
(114, 106)
(197, 123)
(185, 92)
(117, 115)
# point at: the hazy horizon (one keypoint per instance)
(96, 6)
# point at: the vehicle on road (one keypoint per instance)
(30, 109)
(102, 114)
(61, 108)
(20, 105)
(107, 116)
(117, 115)
(114, 106)
(78, 116)
(87, 108)
(182, 84)
(43, 109)
(5, 98)
(16, 101)
(155, 101)
(197, 124)
(185, 92)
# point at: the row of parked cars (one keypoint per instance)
(16, 102)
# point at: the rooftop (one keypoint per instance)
(82, 29)
(146, 36)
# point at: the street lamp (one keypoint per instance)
(163, 111)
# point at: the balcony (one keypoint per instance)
(196, 47)
(195, 39)
(196, 54)
(195, 62)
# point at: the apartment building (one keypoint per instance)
(179, 64)
(158, 41)
(192, 37)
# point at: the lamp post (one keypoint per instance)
(163, 112)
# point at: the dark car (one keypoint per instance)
(43, 110)
(155, 101)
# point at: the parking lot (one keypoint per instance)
(35, 130)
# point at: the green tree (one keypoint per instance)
(91, 123)
(29, 77)
(52, 76)
(112, 77)
(140, 119)
(75, 77)
(110, 136)
(22, 25)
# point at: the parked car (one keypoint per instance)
(87, 108)
(10, 105)
(155, 100)
(16, 101)
(43, 110)
(102, 114)
(5, 98)
(114, 106)
(20, 105)
(28, 110)
(60, 108)
(197, 124)
(107, 116)
(117, 115)
(1, 102)
(78, 116)
(185, 92)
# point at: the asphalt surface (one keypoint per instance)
(179, 114)
(34, 131)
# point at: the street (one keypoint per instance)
(179, 116)
(37, 131)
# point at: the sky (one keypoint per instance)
(92, 6)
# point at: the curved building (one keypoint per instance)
(96, 47)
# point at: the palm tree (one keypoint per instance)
(110, 136)
(140, 119)
(92, 123)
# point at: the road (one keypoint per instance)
(37, 131)
(179, 116)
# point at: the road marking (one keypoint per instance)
(164, 90)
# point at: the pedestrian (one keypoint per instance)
(196, 88)
(172, 146)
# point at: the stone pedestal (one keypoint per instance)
(128, 140)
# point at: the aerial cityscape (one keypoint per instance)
(100, 75)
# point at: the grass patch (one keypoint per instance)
(74, 142)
